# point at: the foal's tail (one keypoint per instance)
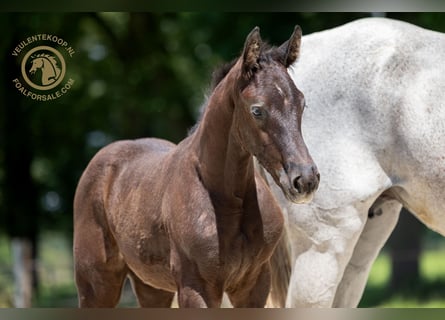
(281, 268)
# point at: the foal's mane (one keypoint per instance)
(220, 73)
(267, 54)
(217, 76)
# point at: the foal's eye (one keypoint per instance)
(257, 112)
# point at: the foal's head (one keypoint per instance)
(267, 115)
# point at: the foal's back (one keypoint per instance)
(120, 167)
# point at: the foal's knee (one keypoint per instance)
(254, 295)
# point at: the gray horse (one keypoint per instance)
(375, 126)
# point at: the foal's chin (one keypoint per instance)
(290, 193)
(298, 198)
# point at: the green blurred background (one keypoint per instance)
(139, 75)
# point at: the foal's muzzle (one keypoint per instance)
(299, 182)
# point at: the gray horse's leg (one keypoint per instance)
(377, 230)
(318, 269)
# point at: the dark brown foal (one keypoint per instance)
(195, 218)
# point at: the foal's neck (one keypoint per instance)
(226, 168)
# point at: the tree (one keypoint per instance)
(20, 204)
(405, 248)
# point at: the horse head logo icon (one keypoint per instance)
(43, 68)
(47, 63)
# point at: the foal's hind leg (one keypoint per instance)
(99, 288)
(149, 297)
(99, 284)
(100, 270)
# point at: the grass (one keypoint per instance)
(6, 290)
(54, 269)
(427, 293)
(57, 287)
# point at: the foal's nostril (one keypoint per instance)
(306, 178)
(317, 174)
(310, 186)
(297, 184)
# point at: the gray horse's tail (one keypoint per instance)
(281, 268)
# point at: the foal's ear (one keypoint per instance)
(251, 52)
(290, 50)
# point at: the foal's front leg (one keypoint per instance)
(198, 295)
(253, 291)
(193, 290)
